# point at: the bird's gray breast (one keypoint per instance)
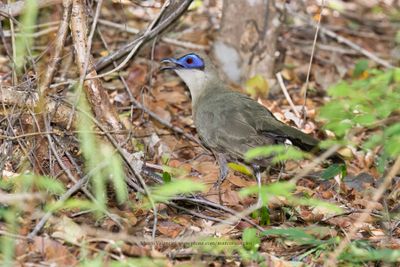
(208, 120)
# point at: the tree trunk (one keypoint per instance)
(246, 44)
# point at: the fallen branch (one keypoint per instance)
(96, 95)
(44, 87)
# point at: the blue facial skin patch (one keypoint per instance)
(190, 61)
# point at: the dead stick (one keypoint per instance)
(59, 45)
(96, 95)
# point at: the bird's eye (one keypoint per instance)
(189, 60)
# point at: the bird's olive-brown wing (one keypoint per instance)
(224, 126)
(233, 123)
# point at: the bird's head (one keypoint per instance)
(196, 70)
(190, 61)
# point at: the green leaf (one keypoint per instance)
(196, 4)
(396, 74)
(251, 241)
(182, 186)
(257, 85)
(365, 119)
(339, 128)
(373, 141)
(278, 152)
(397, 37)
(300, 236)
(340, 89)
(264, 216)
(72, 204)
(25, 39)
(393, 130)
(117, 175)
(90, 150)
(336, 5)
(49, 184)
(313, 202)
(360, 67)
(332, 171)
(295, 234)
(175, 172)
(283, 189)
(357, 254)
(166, 177)
(240, 168)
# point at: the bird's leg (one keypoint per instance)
(281, 170)
(223, 173)
(257, 174)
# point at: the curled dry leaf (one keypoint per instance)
(170, 229)
(69, 231)
(48, 250)
(137, 78)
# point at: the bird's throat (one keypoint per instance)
(195, 80)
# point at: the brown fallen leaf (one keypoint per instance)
(240, 181)
(66, 229)
(169, 229)
(137, 78)
(51, 251)
(173, 97)
(341, 222)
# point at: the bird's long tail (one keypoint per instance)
(309, 143)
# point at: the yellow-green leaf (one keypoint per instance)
(257, 86)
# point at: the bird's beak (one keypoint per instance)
(172, 64)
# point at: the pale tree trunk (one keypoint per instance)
(246, 44)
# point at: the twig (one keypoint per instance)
(128, 29)
(79, 31)
(4, 42)
(332, 261)
(285, 92)
(55, 58)
(345, 41)
(199, 215)
(138, 44)
(14, 9)
(13, 46)
(138, 105)
(208, 203)
(23, 99)
(242, 215)
(176, 11)
(15, 236)
(95, 92)
(164, 122)
(356, 47)
(315, 163)
(310, 63)
(33, 35)
(90, 41)
(19, 197)
(75, 188)
(136, 172)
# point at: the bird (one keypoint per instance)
(230, 123)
